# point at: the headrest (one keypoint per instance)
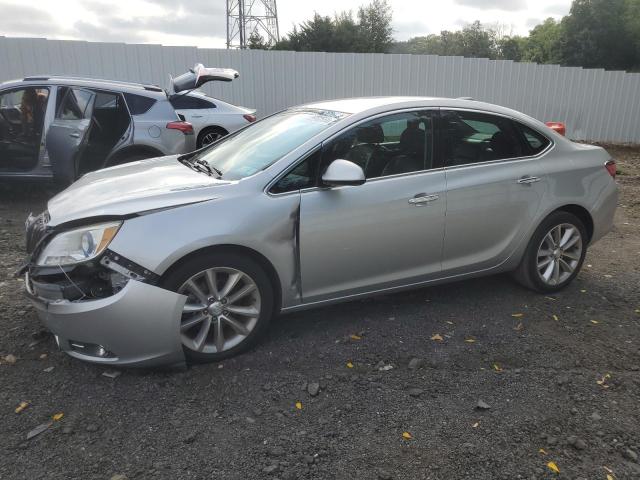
(370, 134)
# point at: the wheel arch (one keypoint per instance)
(208, 128)
(259, 258)
(580, 212)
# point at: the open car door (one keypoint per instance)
(199, 75)
(68, 134)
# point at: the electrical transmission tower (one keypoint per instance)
(247, 17)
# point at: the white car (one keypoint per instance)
(211, 118)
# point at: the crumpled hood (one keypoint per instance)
(131, 188)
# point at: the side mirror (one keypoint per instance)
(343, 172)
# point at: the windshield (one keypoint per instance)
(265, 142)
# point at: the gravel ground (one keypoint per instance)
(379, 397)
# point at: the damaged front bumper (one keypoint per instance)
(137, 326)
(107, 310)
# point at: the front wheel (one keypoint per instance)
(228, 308)
(555, 253)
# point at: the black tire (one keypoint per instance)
(206, 131)
(527, 272)
(192, 266)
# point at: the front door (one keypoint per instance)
(22, 117)
(385, 233)
(68, 133)
(494, 188)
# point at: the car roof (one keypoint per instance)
(365, 106)
(126, 87)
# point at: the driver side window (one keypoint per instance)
(390, 145)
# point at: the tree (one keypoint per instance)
(256, 42)
(371, 33)
(511, 48)
(374, 25)
(543, 43)
(474, 40)
(594, 34)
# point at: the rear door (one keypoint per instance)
(68, 134)
(495, 184)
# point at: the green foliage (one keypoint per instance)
(543, 43)
(598, 33)
(595, 33)
(371, 32)
(256, 42)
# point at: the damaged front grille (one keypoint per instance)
(36, 230)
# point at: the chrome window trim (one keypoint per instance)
(502, 160)
(287, 169)
(332, 137)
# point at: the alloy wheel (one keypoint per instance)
(559, 254)
(210, 138)
(222, 308)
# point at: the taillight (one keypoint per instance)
(558, 127)
(184, 127)
(611, 168)
(249, 118)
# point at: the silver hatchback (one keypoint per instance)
(189, 257)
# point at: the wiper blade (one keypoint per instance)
(199, 165)
(209, 168)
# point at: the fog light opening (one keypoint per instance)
(90, 349)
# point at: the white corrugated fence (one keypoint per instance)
(595, 104)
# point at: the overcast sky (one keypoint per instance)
(202, 22)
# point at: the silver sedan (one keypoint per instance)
(187, 258)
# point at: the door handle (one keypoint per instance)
(74, 135)
(526, 180)
(423, 198)
(197, 116)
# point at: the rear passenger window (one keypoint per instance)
(534, 142)
(138, 104)
(187, 102)
(73, 104)
(471, 137)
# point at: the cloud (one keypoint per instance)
(413, 28)
(196, 18)
(558, 9)
(508, 5)
(23, 20)
(532, 22)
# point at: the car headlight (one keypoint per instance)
(78, 245)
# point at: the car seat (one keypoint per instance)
(367, 153)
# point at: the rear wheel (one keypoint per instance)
(210, 135)
(555, 253)
(228, 308)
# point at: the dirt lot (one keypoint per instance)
(560, 374)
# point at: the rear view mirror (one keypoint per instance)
(343, 172)
(199, 75)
